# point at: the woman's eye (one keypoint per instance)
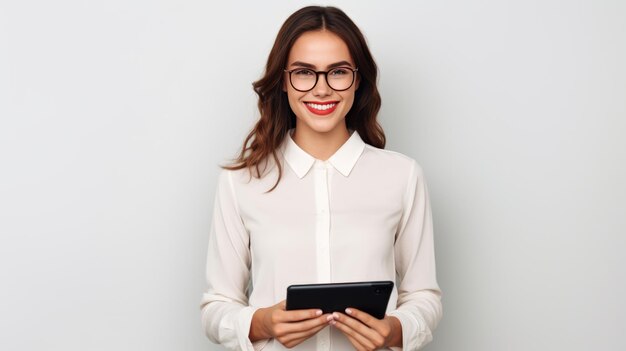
(303, 72)
(338, 72)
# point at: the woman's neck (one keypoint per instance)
(320, 145)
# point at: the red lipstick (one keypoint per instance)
(321, 107)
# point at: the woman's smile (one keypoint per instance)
(321, 108)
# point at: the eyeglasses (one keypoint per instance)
(338, 79)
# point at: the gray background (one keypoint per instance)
(115, 114)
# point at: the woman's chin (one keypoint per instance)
(323, 126)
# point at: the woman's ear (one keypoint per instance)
(356, 84)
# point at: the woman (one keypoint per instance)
(314, 198)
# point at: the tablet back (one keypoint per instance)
(371, 297)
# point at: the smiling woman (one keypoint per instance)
(341, 208)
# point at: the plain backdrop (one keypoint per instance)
(114, 116)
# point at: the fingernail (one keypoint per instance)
(348, 311)
(333, 323)
(318, 312)
(329, 318)
(335, 316)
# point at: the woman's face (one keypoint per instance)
(322, 109)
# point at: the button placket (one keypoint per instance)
(323, 339)
(322, 233)
(323, 222)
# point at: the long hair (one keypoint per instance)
(276, 115)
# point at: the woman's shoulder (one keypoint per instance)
(391, 159)
(255, 175)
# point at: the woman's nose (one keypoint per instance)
(322, 88)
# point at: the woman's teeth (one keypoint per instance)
(321, 107)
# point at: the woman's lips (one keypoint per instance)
(321, 108)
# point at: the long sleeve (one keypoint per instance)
(226, 316)
(419, 307)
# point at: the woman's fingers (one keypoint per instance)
(360, 328)
(294, 339)
(299, 315)
(295, 315)
(370, 321)
(293, 327)
(377, 332)
(357, 339)
(286, 328)
(357, 345)
(291, 334)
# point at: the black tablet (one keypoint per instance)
(371, 297)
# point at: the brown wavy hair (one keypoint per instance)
(276, 115)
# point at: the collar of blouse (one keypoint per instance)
(343, 159)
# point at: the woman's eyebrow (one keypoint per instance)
(332, 65)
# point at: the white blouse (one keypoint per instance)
(363, 214)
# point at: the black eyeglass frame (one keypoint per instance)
(325, 73)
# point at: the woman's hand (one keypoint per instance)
(290, 328)
(366, 332)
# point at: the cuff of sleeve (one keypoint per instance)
(415, 331)
(244, 320)
(410, 329)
